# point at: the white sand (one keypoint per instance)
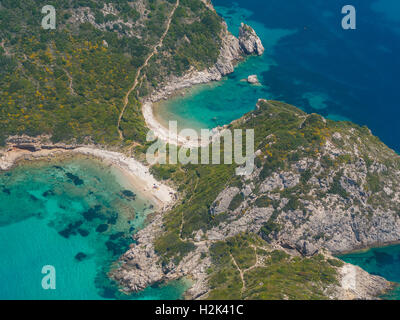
(138, 174)
(163, 133)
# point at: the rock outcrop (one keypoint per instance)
(143, 259)
(249, 42)
(253, 79)
(38, 143)
(355, 283)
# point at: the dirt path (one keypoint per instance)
(2, 44)
(241, 275)
(71, 88)
(138, 73)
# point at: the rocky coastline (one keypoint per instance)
(140, 267)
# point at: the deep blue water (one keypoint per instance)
(356, 71)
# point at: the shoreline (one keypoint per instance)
(137, 174)
(179, 85)
(368, 248)
(233, 50)
(159, 106)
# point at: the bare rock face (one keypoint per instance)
(221, 204)
(253, 79)
(32, 144)
(143, 260)
(249, 42)
(355, 283)
(230, 53)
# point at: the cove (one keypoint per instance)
(310, 62)
(76, 214)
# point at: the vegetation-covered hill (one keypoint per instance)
(71, 82)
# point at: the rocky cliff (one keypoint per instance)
(249, 41)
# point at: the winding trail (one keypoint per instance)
(71, 87)
(138, 73)
(241, 275)
(4, 47)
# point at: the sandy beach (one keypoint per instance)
(137, 174)
(163, 133)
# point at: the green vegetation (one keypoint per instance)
(71, 82)
(265, 202)
(271, 226)
(337, 188)
(374, 184)
(336, 263)
(276, 275)
(199, 184)
(236, 201)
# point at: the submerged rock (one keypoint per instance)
(113, 247)
(75, 179)
(94, 213)
(80, 256)
(113, 219)
(129, 194)
(48, 193)
(33, 198)
(102, 228)
(71, 229)
(83, 232)
(116, 235)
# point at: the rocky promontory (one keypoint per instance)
(249, 42)
(318, 188)
(233, 50)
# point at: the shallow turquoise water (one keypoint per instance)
(50, 212)
(384, 262)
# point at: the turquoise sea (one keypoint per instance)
(76, 215)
